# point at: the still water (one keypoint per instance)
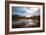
(24, 23)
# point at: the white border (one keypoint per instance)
(22, 29)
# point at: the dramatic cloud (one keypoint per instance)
(26, 11)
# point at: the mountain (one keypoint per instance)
(15, 17)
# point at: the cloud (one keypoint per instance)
(26, 11)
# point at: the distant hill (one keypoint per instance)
(20, 17)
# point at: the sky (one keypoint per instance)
(25, 11)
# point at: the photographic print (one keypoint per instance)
(24, 17)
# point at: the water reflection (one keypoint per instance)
(25, 23)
